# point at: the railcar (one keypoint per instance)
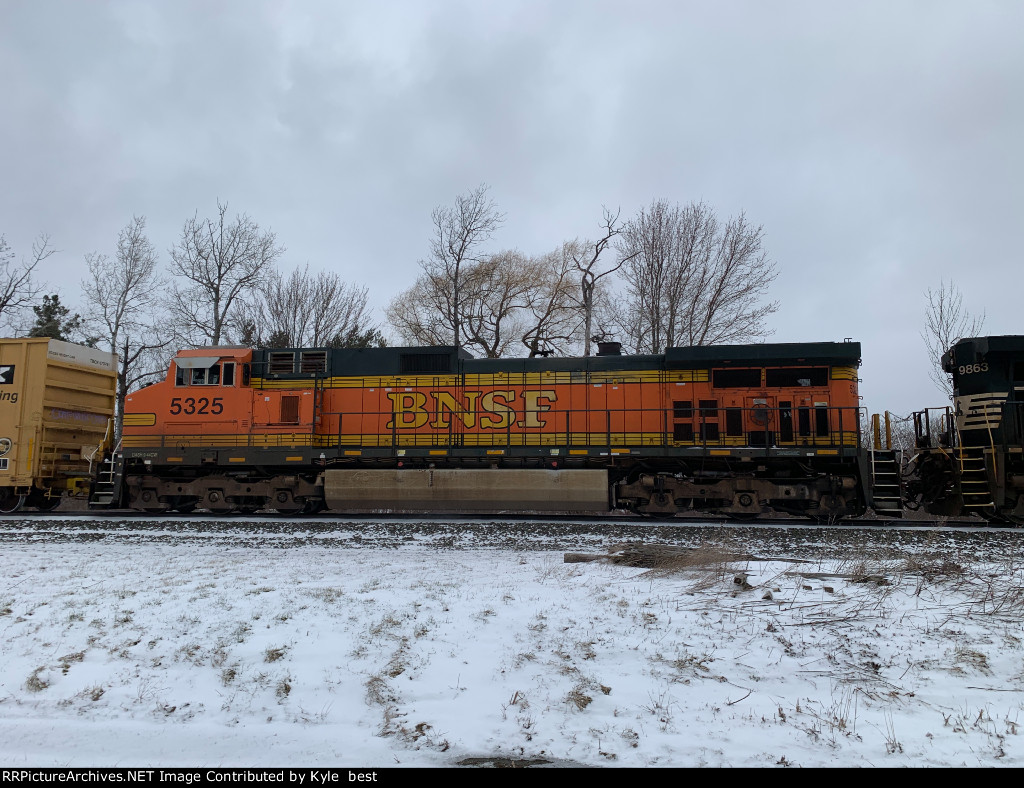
(968, 457)
(739, 430)
(56, 402)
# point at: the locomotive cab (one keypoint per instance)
(207, 436)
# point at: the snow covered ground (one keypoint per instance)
(140, 651)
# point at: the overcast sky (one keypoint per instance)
(879, 144)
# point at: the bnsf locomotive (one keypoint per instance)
(736, 430)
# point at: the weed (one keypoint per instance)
(577, 698)
(327, 595)
(661, 707)
(146, 691)
(378, 693)
(68, 659)
(691, 662)
(260, 590)
(892, 744)
(386, 624)
(37, 680)
(273, 654)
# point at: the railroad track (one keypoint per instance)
(787, 539)
(618, 520)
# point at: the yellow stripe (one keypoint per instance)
(493, 379)
(236, 459)
(349, 453)
(174, 459)
(294, 459)
(497, 438)
(844, 373)
(720, 452)
(139, 419)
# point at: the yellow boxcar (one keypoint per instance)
(56, 404)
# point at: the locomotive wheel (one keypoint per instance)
(149, 502)
(285, 503)
(184, 507)
(1001, 519)
(10, 502)
(216, 503)
(830, 509)
(312, 506)
(250, 504)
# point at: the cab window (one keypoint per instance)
(206, 377)
(197, 376)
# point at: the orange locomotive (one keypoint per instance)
(738, 430)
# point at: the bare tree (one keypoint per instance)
(18, 290)
(946, 321)
(416, 314)
(306, 310)
(459, 231)
(494, 292)
(692, 281)
(123, 295)
(586, 256)
(553, 321)
(221, 263)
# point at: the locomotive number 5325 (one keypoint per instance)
(191, 405)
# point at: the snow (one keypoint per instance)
(149, 649)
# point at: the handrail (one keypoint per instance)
(606, 429)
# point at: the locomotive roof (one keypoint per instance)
(780, 353)
(971, 348)
(444, 359)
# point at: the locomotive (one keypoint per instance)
(968, 458)
(734, 430)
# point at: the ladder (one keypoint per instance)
(886, 488)
(975, 489)
(107, 486)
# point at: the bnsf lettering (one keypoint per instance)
(493, 410)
